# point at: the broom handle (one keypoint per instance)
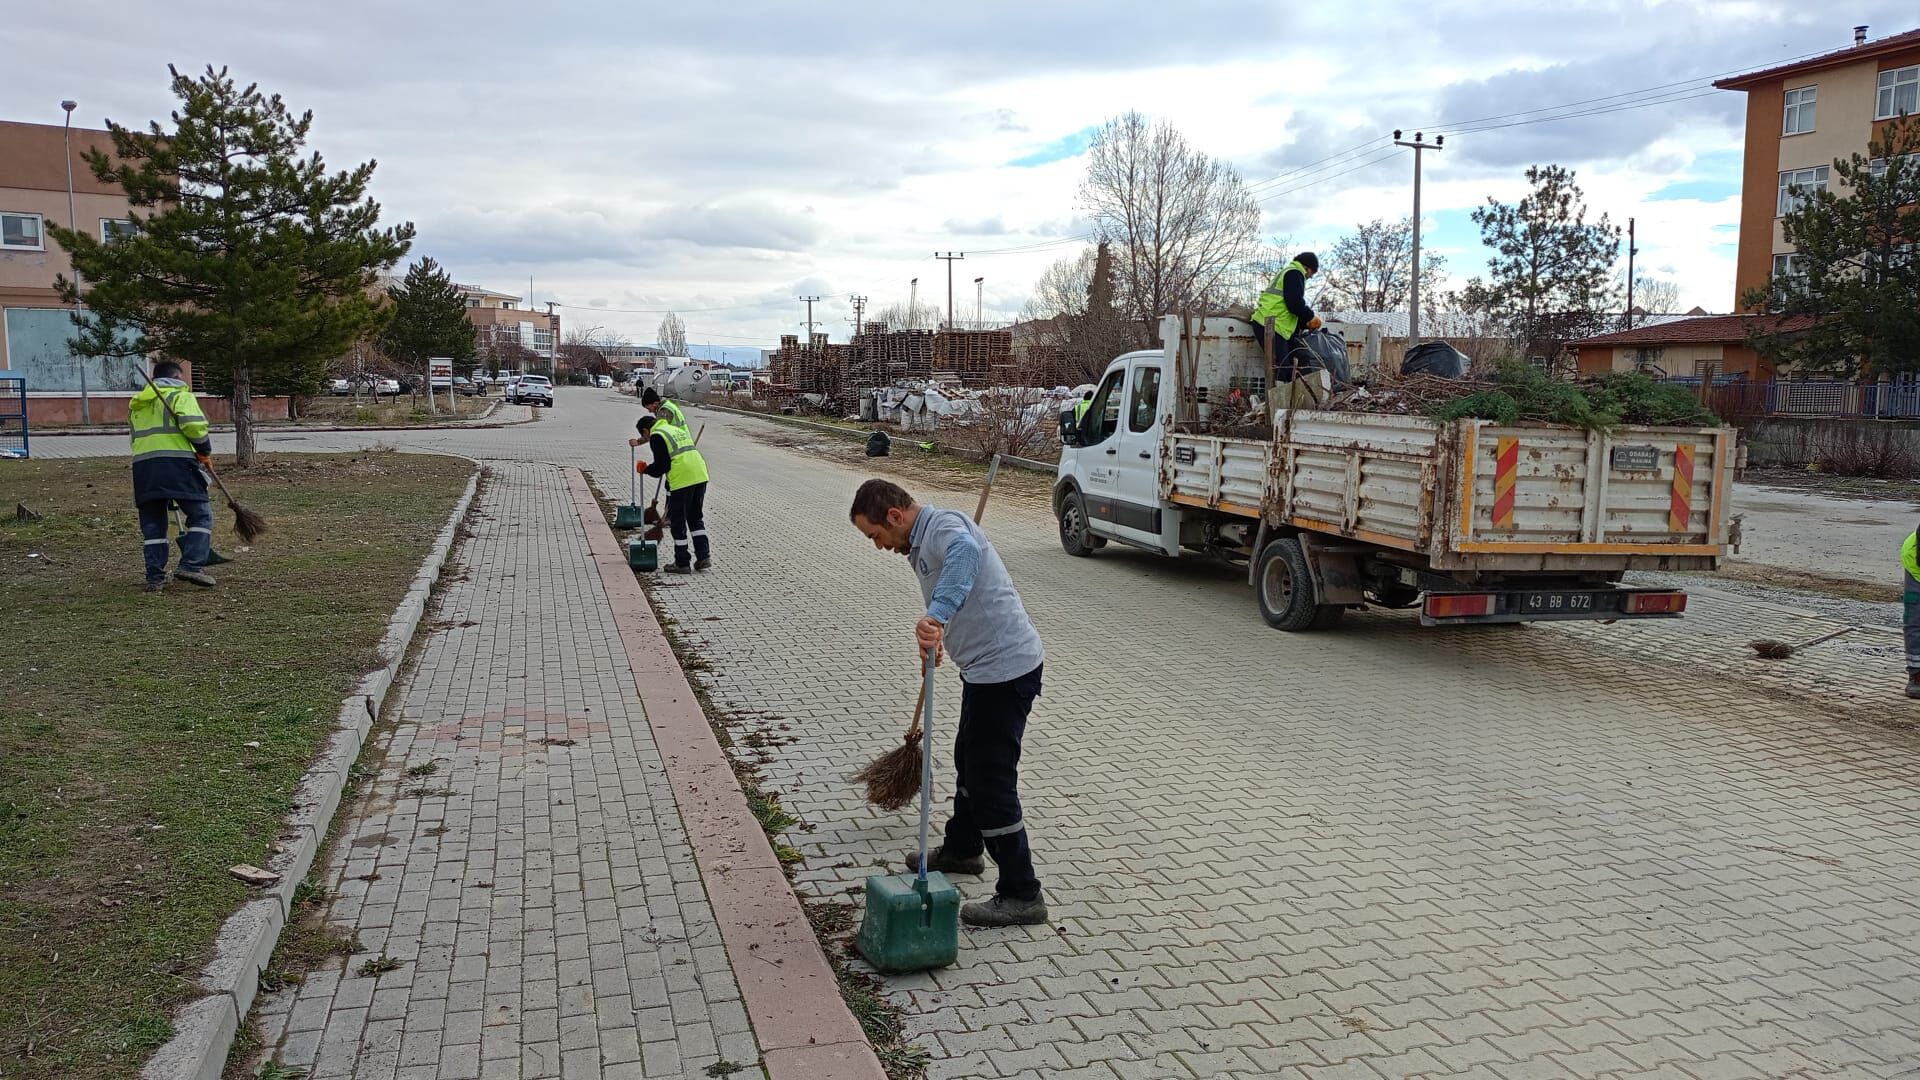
(633, 476)
(165, 404)
(926, 766)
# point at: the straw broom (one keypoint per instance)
(248, 524)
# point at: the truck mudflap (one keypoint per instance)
(1510, 605)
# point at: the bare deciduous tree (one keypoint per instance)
(1182, 223)
(908, 315)
(1073, 314)
(1371, 269)
(1656, 296)
(673, 335)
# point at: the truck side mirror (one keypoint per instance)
(1069, 431)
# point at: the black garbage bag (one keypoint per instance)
(1435, 358)
(878, 444)
(1328, 352)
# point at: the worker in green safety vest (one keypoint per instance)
(170, 442)
(666, 411)
(678, 461)
(1282, 312)
(1910, 619)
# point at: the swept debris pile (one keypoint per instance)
(1519, 392)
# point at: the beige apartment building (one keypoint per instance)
(502, 318)
(1800, 118)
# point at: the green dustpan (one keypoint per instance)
(631, 516)
(912, 921)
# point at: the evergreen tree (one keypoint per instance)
(247, 259)
(428, 319)
(1854, 282)
(1550, 280)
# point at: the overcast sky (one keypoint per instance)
(723, 158)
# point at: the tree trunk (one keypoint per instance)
(243, 445)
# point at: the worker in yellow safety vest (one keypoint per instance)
(1910, 619)
(678, 461)
(170, 442)
(662, 409)
(1282, 312)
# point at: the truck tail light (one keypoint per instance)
(1654, 603)
(1458, 605)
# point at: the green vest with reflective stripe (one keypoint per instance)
(1910, 556)
(669, 413)
(155, 434)
(1273, 304)
(685, 466)
(1080, 408)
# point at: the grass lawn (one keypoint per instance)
(393, 411)
(148, 742)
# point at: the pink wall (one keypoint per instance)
(47, 412)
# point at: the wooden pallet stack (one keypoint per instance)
(974, 357)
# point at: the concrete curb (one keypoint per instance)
(204, 1030)
(803, 1025)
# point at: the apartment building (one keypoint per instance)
(503, 319)
(1801, 117)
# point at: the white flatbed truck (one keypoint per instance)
(1470, 521)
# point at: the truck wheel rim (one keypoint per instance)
(1070, 523)
(1277, 585)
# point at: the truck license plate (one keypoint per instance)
(1548, 603)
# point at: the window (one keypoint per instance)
(39, 348)
(1104, 412)
(21, 232)
(473, 301)
(1908, 163)
(1800, 105)
(1899, 93)
(1798, 181)
(1789, 275)
(506, 305)
(1146, 400)
(112, 229)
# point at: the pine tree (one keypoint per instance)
(247, 259)
(1550, 280)
(428, 320)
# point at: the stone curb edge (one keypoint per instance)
(479, 424)
(205, 1029)
(803, 1025)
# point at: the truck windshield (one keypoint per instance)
(1103, 416)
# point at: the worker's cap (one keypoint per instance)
(645, 422)
(649, 396)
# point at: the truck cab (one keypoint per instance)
(1108, 483)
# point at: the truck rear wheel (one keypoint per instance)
(1075, 540)
(1283, 585)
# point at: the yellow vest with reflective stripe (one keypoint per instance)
(1273, 303)
(1080, 408)
(685, 466)
(669, 413)
(155, 434)
(1910, 555)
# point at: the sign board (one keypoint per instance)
(1636, 458)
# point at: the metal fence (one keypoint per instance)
(1733, 396)
(13, 417)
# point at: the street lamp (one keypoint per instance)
(66, 141)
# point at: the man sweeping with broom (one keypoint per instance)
(170, 442)
(973, 613)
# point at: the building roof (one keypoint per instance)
(1706, 330)
(1848, 55)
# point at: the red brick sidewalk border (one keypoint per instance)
(804, 1027)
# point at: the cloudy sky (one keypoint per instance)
(724, 158)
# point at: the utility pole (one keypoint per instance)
(1631, 252)
(1418, 145)
(948, 258)
(979, 301)
(859, 313)
(913, 302)
(553, 343)
(809, 301)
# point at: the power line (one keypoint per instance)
(1392, 151)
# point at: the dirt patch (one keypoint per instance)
(907, 464)
(1787, 478)
(1808, 581)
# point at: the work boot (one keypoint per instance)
(702, 564)
(195, 577)
(161, 586)
(938, 861)
(677, 568)
(1004, 911)
(214, 558)
(1913, 684)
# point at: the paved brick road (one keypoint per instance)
(520, 851)
(1381, 852)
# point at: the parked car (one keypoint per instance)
(339, 387)
(534, 390)
(387, 387)
(468, 387)
(603, 382)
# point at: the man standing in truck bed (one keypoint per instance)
(973, 612)
(1282, 312)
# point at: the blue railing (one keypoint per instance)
(1732, 395)
(13, 417)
